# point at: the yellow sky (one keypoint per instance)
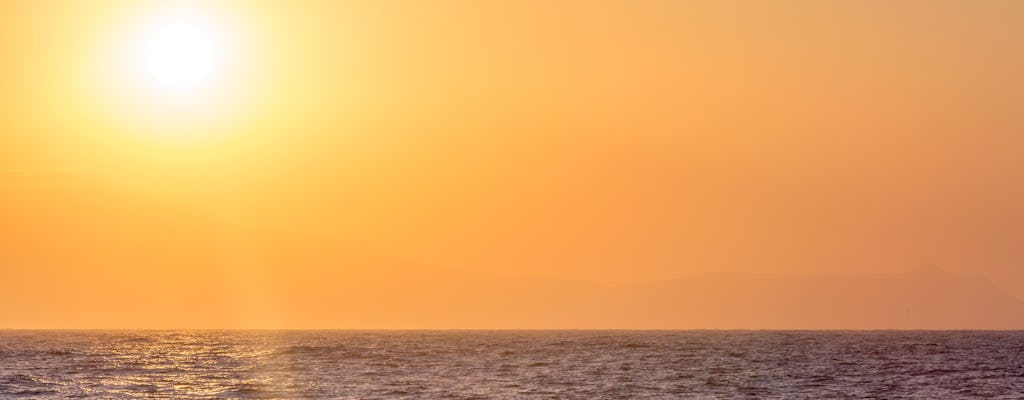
(608, 142)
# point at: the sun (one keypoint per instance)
(179, 55)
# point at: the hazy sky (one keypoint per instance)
(609, 142)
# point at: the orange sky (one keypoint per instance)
(606, 142)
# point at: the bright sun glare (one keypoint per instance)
(179, 55)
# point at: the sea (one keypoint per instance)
(512, 364)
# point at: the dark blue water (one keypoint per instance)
(510, 364)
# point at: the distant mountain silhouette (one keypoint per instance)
(925, 300)
(918, 300)
(423, 298)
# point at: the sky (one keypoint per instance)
(339, 144)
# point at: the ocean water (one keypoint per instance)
(511, 364)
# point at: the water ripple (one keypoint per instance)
(509, 364)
